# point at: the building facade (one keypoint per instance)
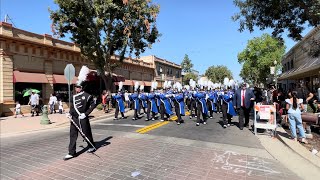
(29, 60)
(164, 70)
(299, 67)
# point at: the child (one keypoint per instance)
(60, 106)
(17, 110)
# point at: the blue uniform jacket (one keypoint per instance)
(228, 99)
(118, 98)
(180, 99)
(201, 98)
(166, 103)
(152, 99)
(135, 99)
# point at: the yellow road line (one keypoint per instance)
(154, 127)
(174, 118)
(147, 127)
(157, 125)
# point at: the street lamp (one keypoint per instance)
(275, 73)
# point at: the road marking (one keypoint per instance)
(151, 127)
(157, 125)
(174, 118)
(128, 125)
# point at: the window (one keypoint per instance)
(292, 64)
(288, 65)
(285, 67)
(159, 70)
(168, 71)
(177, 74)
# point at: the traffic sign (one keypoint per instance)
(69, 72)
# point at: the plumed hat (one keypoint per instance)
(82, 77)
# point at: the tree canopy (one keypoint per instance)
(186, 64)
(103, 29)
(258, 56)
(189, 76)
(217, 73)
(279, 15)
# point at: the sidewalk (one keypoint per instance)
(10, 125)
(292, 154)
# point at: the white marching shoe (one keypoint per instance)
(91, 150)
(67, 157)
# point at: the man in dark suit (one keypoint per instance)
(242, 103)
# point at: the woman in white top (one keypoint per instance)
(294, 107)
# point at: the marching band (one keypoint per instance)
(201, 100)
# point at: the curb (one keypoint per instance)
(295, 147)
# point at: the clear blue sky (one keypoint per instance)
(202, 29)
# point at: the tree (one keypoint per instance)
(186, 64)
(189, 76)
(217, 73)
(103, 29)
(258, 56)
(279, 15)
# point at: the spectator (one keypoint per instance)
(294, 116)
(126, 98)
(52, 102)
(17, 110)
(60, 106)
(311, 99)
(34, 103)
(105, 101)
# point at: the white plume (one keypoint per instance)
(120, 85)
(226, 81)
(141, 87)
(84, 71)
(155, 85)
(165, 84)
(136, 86)
(231, 83)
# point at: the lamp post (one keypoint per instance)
(275, 73)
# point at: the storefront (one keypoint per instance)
(300, 68)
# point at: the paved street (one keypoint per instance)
(167, 152)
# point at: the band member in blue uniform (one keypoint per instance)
(119, 103)
(218, 102)
(135, 101)
(201, 107)
(82, 105)
(143, 100)
(165, 107)
(152, 105)
(227, 109)
(211, 103)
(179, 107)
(193, 105)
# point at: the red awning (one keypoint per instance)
(125, 83)
(27, 77)
(61, 79)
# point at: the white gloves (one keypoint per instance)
(68, 115)
(82, 116)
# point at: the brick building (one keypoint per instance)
(164, 70)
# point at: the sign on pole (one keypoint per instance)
(69, 73)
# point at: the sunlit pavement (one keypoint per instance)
(167, 152)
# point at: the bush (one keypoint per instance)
(99, 107)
